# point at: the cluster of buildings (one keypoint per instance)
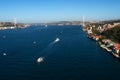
(65, 23)
(101, 27)
(107, 44)
(10, 25)
(6, 25)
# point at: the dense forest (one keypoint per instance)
(113, 34)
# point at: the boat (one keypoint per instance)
(57, 40)
(41, 59)
(4, 54)
(115, 55)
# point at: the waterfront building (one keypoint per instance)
(117, 49)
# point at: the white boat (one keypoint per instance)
(57, 40)
(4, 54)
(40, 59)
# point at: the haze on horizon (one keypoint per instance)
(34, 11)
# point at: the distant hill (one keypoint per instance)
(111, 21)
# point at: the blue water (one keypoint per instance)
(75, 57)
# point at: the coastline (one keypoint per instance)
(107, 47)
(13, 27)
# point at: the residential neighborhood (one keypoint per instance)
(98, 32)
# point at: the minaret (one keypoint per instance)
(15, 22)
(83, 22)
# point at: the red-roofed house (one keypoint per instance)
(97, 37)
(117, 48)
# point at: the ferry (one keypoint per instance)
(41, 59)
(4, 54)
(57, 40)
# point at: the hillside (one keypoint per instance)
(113, 34)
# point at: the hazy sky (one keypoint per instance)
(58, 10)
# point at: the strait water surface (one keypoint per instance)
(74, 57)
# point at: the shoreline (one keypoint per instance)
(12, 27)
(105, 47)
